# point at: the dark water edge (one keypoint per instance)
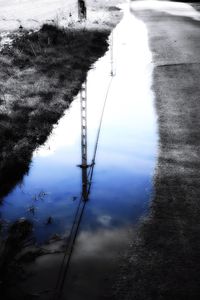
(39, 77)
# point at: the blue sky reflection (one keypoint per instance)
(122, 182)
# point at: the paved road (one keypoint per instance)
(165, 262)
(173, 31)
(174, 37)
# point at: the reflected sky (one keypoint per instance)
(122, 182)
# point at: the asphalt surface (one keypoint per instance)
(175, 43)
(163, 261)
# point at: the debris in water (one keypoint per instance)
(49, 221)
(32, 209)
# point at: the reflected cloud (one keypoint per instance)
(107, 241)
(104, 220)
(96, 253)
(96, 257)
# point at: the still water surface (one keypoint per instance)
(122, 182)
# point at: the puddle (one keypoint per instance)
(122, 181)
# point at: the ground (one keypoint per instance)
(163, 261)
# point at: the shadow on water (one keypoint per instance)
(122, 182)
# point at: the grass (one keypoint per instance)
(40, 75)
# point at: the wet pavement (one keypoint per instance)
(163, 262)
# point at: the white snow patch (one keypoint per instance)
(33, 13)
(5, 39)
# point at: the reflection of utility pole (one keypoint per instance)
(82, 10)
(84, 165)
(112, 55)
(86, 180)
(87, 175)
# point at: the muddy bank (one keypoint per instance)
(163, 260)
(19, 253)
(40, 74)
